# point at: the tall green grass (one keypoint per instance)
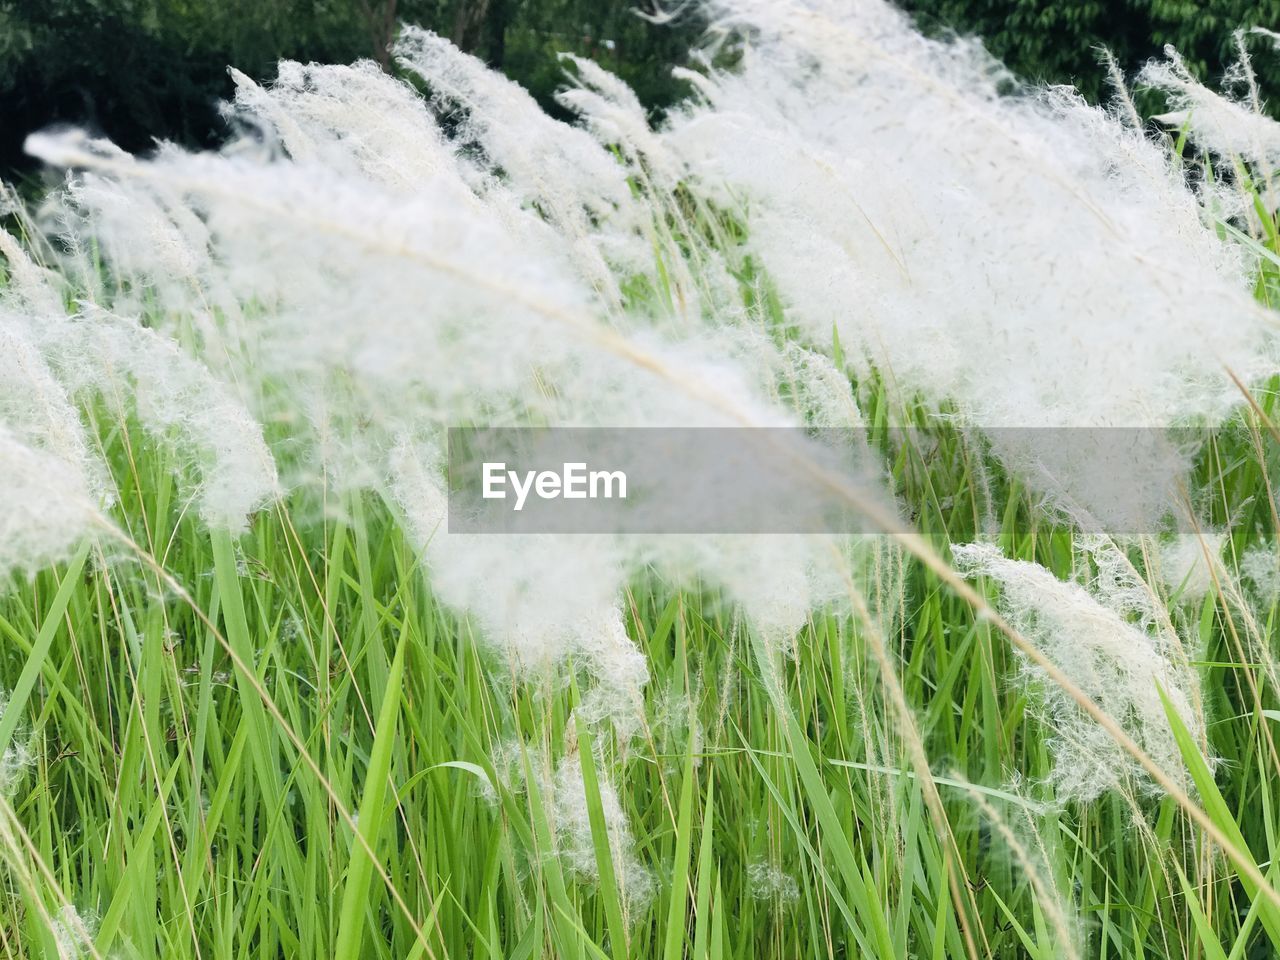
(281, 746)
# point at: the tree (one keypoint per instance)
(1046, 40)
(137, 70)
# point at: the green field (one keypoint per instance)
(197, 722)
(293, 741)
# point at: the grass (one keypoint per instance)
(210, 726)
(280, 745)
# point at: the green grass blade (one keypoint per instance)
(372, 819)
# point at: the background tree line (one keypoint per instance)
(1058, 40)
(137, 69)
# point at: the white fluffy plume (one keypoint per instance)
(1120, 661)
(1021, 255)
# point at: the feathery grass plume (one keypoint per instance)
(563, 796)
(1260, 568)
(541, 597)
(1247, 613)
(1230, 128)
(53, 365)
(73, 933)
(1117, 584)
(691, 274)
(572, 818)
(612, 198)
(36, 407)
(179, 403)
(776, 580)
(34, 403)
(546, 599)
(1018, 253)
(505, 142)
(16, 759)
(29, 288)
(154, 242)
(1117, 662)
(1027, 846)
(768, 881)
(614, 115)
(620, 672)
(366, 297)
(48, 502)
(1186, 564)
(348, 118)
(52, 484)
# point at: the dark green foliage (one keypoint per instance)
(1059, 42)
(137, 70)
(611, 32)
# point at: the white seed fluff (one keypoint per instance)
(1117, 663)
